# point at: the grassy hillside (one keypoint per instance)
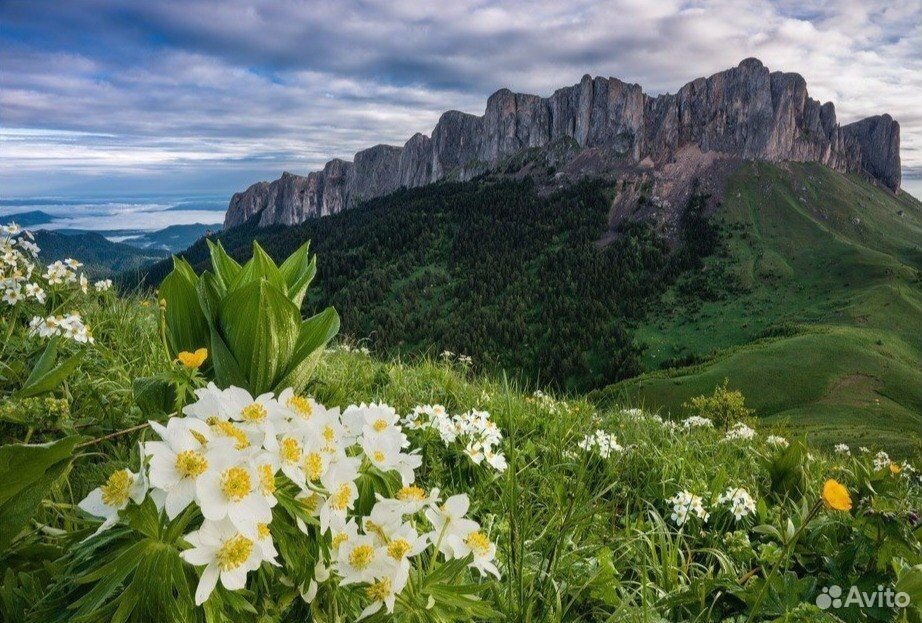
(823, 328)
(577, 514)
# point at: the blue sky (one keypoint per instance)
(120, 97)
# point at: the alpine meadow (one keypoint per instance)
(615, 353)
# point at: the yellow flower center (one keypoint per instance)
(398, 548)
(262, 529)
(254, 412)
(290, 450)
(235, 483)
(229, 430)
(361, 556)
(378, 456)
(380, 590)
(895, 469)
(117, 489)
(379, 425)
(266, 479)
(301, 406)
(479, 543)
(313, 465)
(340, 499)
(339, 539)
(328, 434)
(411, 493)
(190, 463)
(234, 552)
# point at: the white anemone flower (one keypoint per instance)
(448, 520)
(178, 461)
(232, 490)
(106, 501)
(358, 560)
(475, 543)
(227, 554)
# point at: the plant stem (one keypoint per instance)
(118, 433)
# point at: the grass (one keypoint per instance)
(580, 538)
(829, 264)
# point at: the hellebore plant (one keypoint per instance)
(248, 317)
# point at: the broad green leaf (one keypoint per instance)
(259, 267)
(154, 395)
(46, 376)
(26, 474)
(299, 270)
(260, 327)
(187, 329)
(227, 371)
(225, 267)
(314, 334)
(209, 296)
(45, 363)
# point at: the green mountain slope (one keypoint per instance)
(803, 290)
(824, 326)
(101, 257)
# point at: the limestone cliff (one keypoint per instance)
(745, 112)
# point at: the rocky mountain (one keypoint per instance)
(602, 125)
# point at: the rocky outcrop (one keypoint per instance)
(745, 112)
(878, 139)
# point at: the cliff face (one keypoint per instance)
(744, 112)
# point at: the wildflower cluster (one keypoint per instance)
(685, 504)
(739, 431)
(696, 421)
(64, 272)
(103, 285)
(70, 327)
(740, 502)
(232, 455)
(601, 443)
(474, 430)
(777, 441)
(18, 253)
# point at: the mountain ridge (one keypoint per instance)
(744, 113)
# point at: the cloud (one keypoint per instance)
(228, 90)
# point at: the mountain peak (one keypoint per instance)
(600, 125)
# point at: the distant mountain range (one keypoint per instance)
(100, 256)
(602, 127)
(109, 251)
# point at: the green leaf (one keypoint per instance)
(26, 474)
(227, 371)
(298, 271)
(225, 267)
(154, 395)
(260, 326)
(187, 328)
(210, 292)
(313, 336)
(258, 268)
(45, 376)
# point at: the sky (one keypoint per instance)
(120, 97)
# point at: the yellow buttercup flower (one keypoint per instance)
(895, 469)
(193, 360)
(836, 496)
